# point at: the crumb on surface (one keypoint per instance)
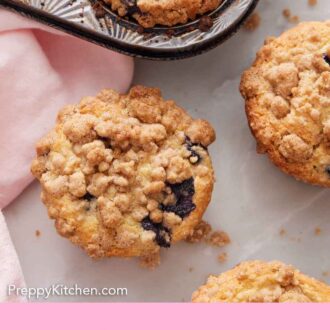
(191, 269)
(219, 238)
(325, 274)
(282, 232)
(200, 233)
(317, 231)
(294, 19)
(37, 233)
(286, 13)
(150, 261)
(253, 22)
(312, 2)
(204, 233)
(223, 257)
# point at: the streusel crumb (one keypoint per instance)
(312, 2)
(200, 232)
(150, 261)
(223, 257)
(219, 238)
(203, 232)
(262, 282)
(253, 22)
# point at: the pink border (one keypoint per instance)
(164, 316)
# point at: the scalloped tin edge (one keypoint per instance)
(115, 44)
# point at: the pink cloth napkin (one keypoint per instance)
(10, 269)
(41, 70)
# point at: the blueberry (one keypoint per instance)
(327, 169)
(132, 7)
(163, 234)
(190, 147)
(184, 193)
(105, 140)
(326, 58)
(88, 197)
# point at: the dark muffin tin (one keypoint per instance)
(78, 17)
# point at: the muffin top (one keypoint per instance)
(262, 282)
(287, 93)
(148, 13)
(124, 175)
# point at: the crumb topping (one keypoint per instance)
(262, 282)
(118, 172)
(287, 101)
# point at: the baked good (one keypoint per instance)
(124, 175)
(266, 282)
(287, 94)
(148, 13)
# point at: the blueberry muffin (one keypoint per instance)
(125, 175)
(287, 94)
(262, 282)
(148, 13)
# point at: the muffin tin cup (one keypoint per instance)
(78, 18)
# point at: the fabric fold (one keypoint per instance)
(42, 70)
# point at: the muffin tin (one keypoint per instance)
(125, 36)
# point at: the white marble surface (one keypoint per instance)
(252, 200)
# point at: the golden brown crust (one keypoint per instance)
(164, 12)
(267, 282)
(287, 101)
(123, 175)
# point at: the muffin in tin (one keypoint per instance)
(125, 175)
(149, 13)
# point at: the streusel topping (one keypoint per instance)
(287, 94)
(125, 174)
(262, 282)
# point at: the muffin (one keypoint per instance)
(262, 282)
(148, 13)
(125, 175)
(287, 95)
